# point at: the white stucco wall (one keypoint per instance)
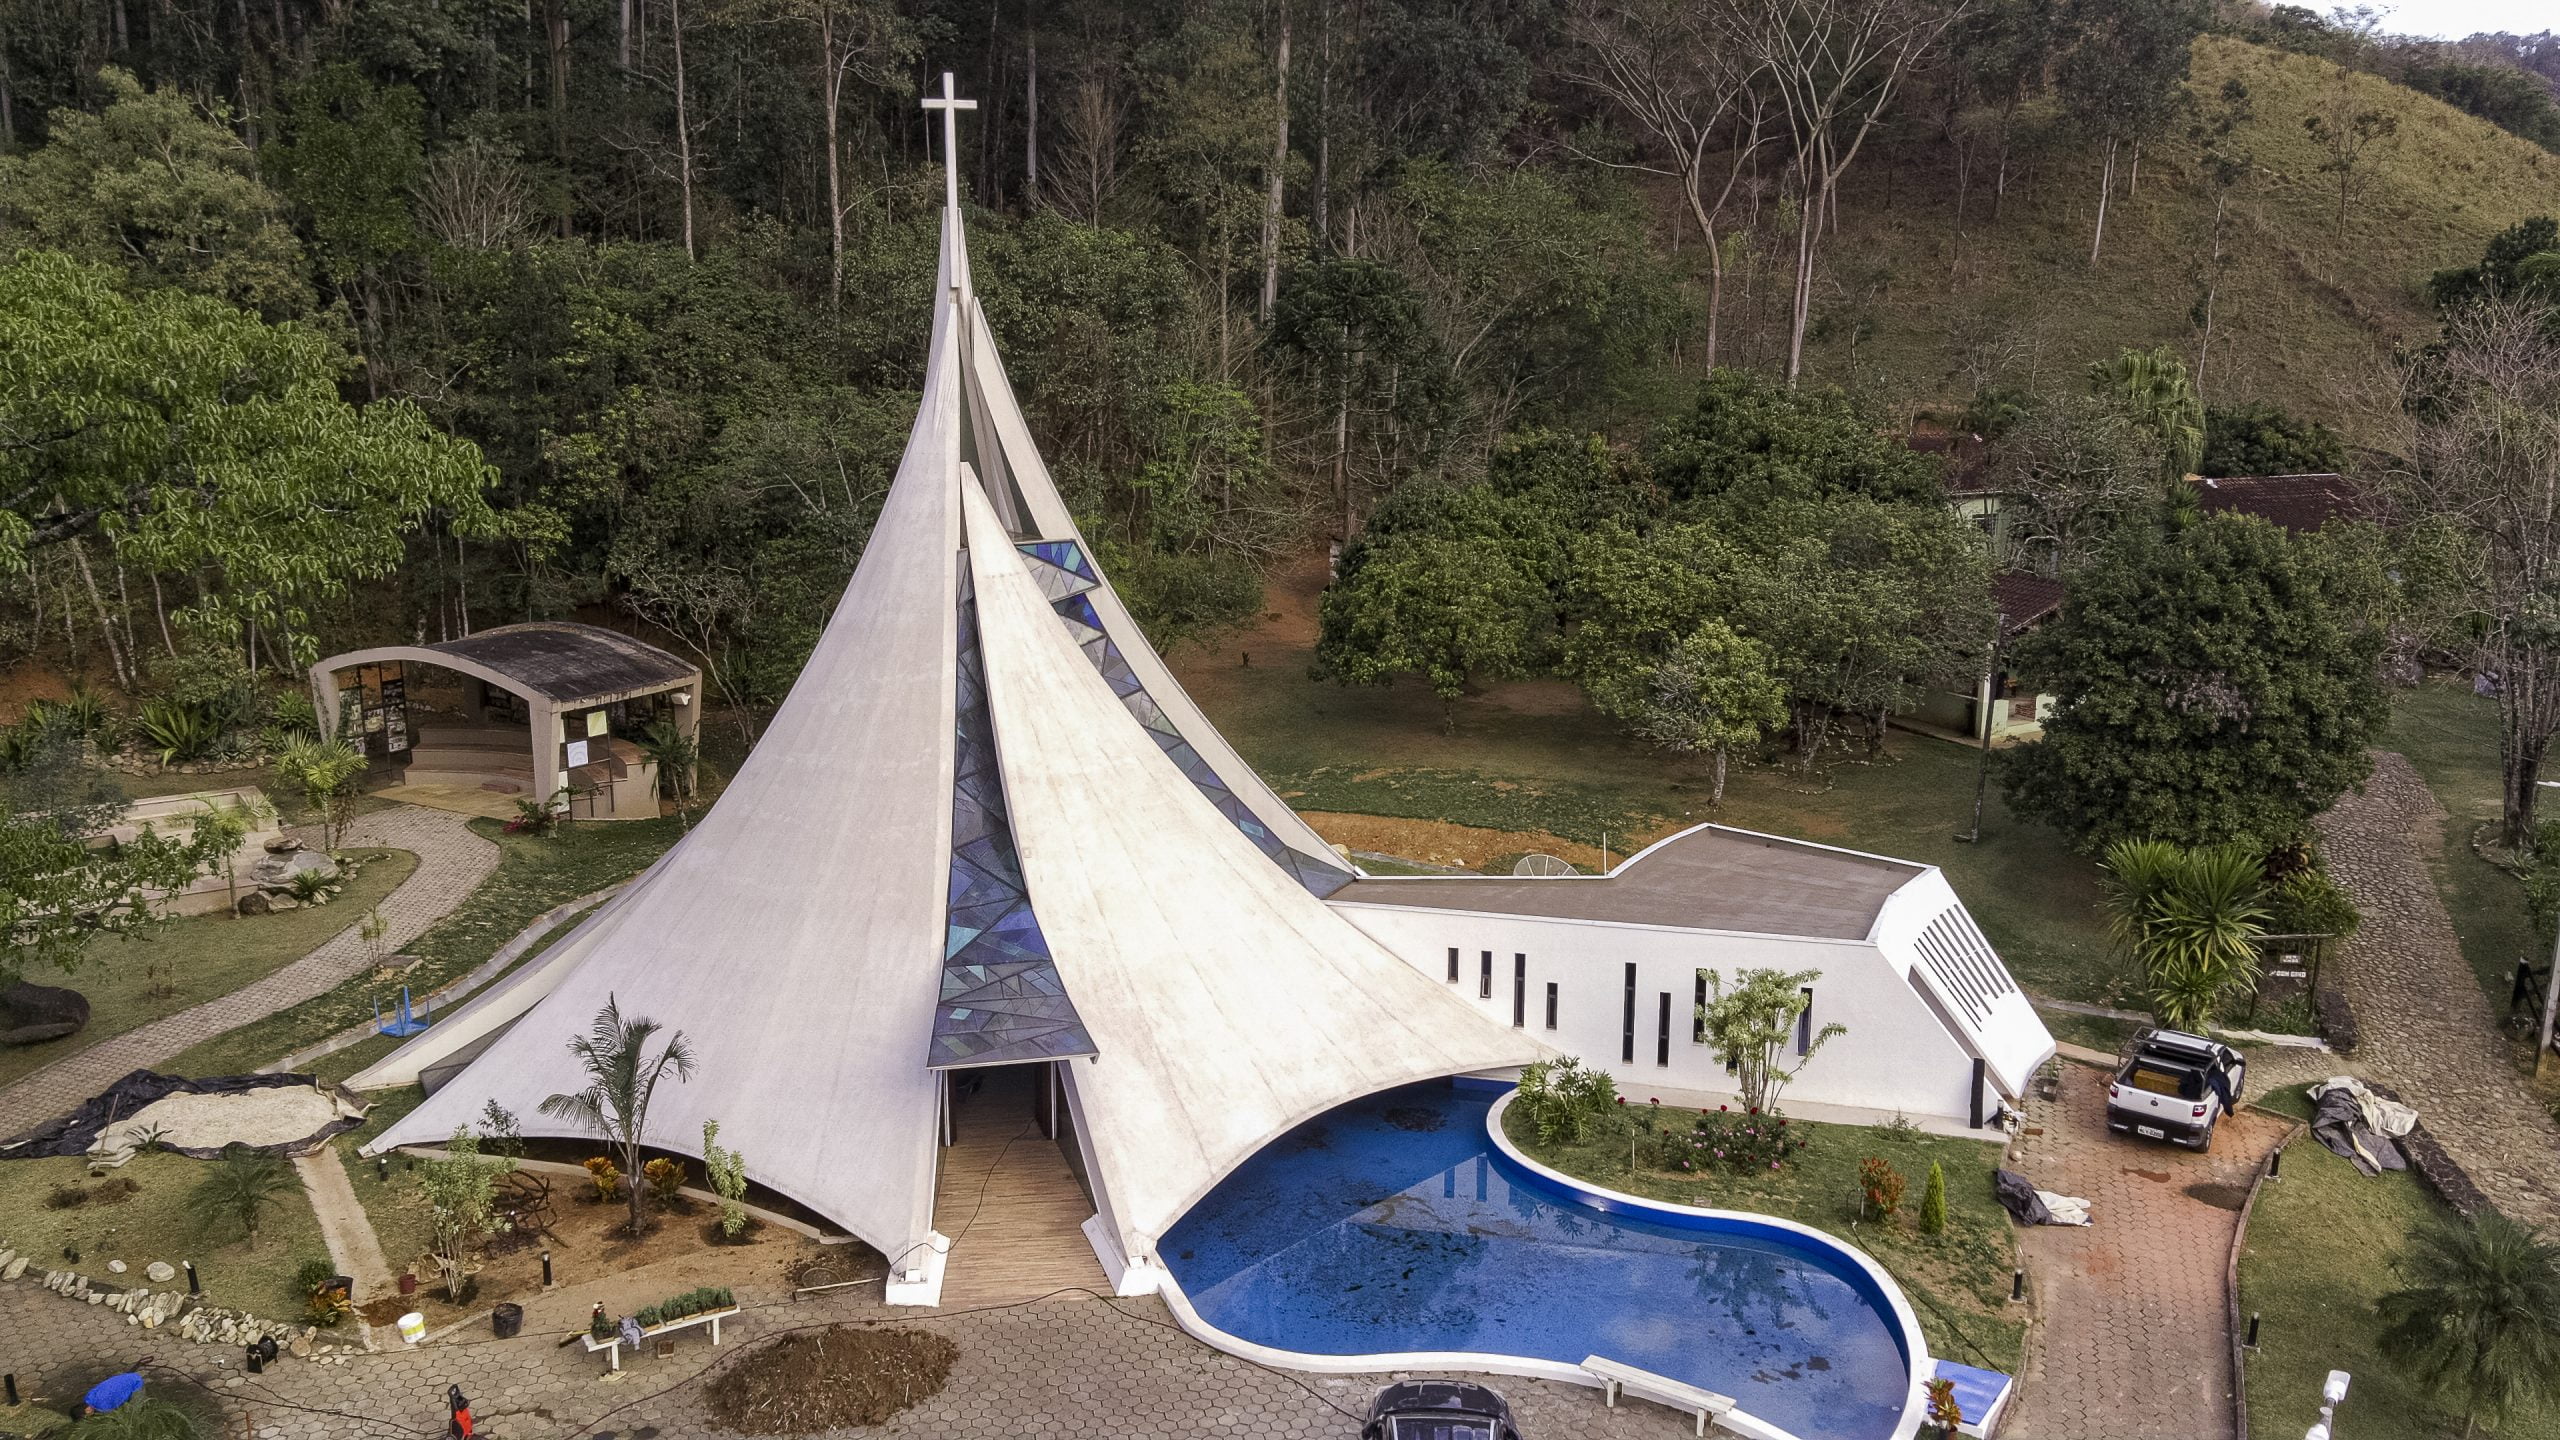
(1895, 1056)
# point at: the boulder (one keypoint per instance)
(161, 1271)
(255, 903)
(31, 1014)
(283, 902)
(283, 845)
(14, 1268)
(116, 1267)
(277, 872)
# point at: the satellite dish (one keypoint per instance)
(1543, 865)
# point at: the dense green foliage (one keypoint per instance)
(1768, 565)
(2189, 919)
(2258, 439)
(2216, 681)
(2477, 1319)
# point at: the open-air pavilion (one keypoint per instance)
(546, 706)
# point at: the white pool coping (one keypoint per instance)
(1915, 1404)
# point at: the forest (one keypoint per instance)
(332, 321)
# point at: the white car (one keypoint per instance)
(2175, 1086)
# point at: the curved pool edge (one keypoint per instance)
(1737, 1422)
(1915, 1345)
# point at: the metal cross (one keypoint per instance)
(949, 103)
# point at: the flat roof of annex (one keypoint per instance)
(1708, 877)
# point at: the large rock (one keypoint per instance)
(30, 1014)
(283, 845)
(255, 903)
(277, 872)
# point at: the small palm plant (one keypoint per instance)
(2479, 1320)
(624, 1075)
(2190, 919)
(239, 1190)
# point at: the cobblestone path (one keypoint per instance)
(2134, 1339)
(452, 862)
(1070, 1365)
(2426, 1030)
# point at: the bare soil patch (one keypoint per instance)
(1437, 842)
(802, 1384)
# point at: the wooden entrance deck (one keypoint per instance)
(1008, 1201)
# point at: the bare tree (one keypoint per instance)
(2486, 437)
(865, 40)
(1279, 173)
(2344, 131)
(1090, 130)
(1835, 65)
(1680, 74)
(474, 196)
(684, 122)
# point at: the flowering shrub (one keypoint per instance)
(1736, 1140)
(1882, 1184)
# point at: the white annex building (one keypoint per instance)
(987, 829)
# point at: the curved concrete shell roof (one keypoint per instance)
(561, 661)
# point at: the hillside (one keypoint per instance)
(1914, 309)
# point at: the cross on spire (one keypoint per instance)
(950, 104)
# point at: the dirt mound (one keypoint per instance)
(802, 1384)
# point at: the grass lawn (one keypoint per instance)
(533, 874)
(2318, 1255)
(1958, 1281)
(201, 958)
(1535, 757)
(2451, 736)
(153, 1224)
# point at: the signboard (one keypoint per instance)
(595, 723)
(577, 753)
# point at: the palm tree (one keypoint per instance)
(2154, 388)
(2190, 918)
(2480, 1318)
(240, 1188)
(624, 1075)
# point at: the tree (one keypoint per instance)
(2153, 387)
(196, 438)
(60, 881)
(2080, 470)
(1713, 691)
(1751, 1025)
(1835, 65)
(2190, 920)
(625, 1076)
(326, 772)
(728, 1170)
(2344, 130)
(2478, 1320)
(1933, 1201)
(1680, 74)
(1453, 612)
(238, 1191)
(2258, 439)
(2215, 683)
(167, 194)
(2124, 80)
(2485, 446)
(2502, 270)
(461, 1191)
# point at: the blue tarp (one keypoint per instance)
(112, 1392)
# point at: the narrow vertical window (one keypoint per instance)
(1627, 1021)
(1662, 1033)
(1551, 1004)
(1484, 984)
(1804, 1023)
(1453, 964)
(1519, 991)
(1698, 1020)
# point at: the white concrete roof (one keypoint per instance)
(799, 935)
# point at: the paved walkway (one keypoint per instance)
(2427, 1030)
(2133, 1339)
(344, 1227)
(452, 862)
(1069, 1365)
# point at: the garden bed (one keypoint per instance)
(1958, 1281)
(152, 1220)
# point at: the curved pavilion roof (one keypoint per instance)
(561, 661)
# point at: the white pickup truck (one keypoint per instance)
(2175, 1086)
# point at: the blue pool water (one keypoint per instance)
(1392, 1224)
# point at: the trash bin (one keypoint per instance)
(507, 1321)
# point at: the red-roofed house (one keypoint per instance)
(2300, 503)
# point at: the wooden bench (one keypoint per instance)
(613, 1347)
(1616, 1378)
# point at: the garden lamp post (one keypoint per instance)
(2333, 1392)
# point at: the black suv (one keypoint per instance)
(1438, 1410)
(2175, 1086)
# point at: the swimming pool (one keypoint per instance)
(1394, 1225)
